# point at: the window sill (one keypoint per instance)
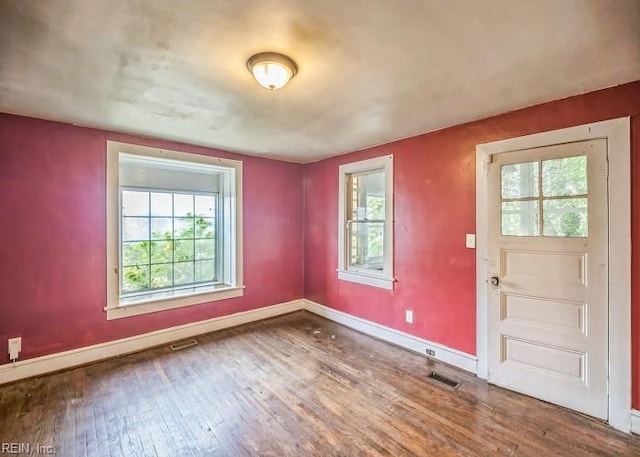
(155, 302)
(369, 280)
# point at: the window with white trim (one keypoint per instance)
(365, 223)
(173, 229)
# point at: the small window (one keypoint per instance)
(547, 197)
(173, 229)
(365, 226)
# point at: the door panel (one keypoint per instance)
(547, 316)
(566, 267)
(553, 314)
(555, 361)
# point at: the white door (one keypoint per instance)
(548, 274)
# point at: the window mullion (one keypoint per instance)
(173, 240)
(149, 237)
(193, 241)
(218, 264)
(541, 199)
(120, 238)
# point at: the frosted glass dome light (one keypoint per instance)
(272, 70)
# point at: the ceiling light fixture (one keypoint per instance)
(271, 69)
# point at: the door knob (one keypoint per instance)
(495, 281)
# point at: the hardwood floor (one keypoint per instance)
(297, 385)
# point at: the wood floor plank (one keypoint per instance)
(296, 385)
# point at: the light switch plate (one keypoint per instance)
(471, 240)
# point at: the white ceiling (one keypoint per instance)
(370, 71)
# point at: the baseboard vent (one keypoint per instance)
(443, 379)
(183, 344)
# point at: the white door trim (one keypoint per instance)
(617, 134)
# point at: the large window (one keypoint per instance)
(365, 226)
(168, 240)
(173, 229)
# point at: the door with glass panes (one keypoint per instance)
(548, 273)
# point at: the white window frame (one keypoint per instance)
(230, 199)
(385, 279)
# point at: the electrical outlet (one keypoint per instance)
(430, 352)
(408, 316)
(15, 346)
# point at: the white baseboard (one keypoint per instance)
(68, 359)
(445, 354)
(635, 421)
(62, 360)
(59, 361)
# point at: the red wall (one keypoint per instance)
(434, 197)
(52, 238)
(52, 230)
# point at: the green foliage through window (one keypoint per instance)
(168, 239)
(551, 193)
